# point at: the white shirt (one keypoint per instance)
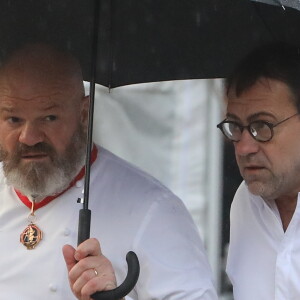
(263, 260)
(130, 211)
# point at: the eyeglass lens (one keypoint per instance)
(260, 130)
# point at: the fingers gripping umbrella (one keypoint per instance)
(123, 42)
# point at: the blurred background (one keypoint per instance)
(168, 129)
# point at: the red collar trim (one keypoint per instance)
(48, 199)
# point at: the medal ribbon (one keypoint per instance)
(48, 199)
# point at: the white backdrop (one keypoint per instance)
(169, 130)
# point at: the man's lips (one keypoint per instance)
(253, 168)
(34, 156)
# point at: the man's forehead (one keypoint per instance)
(48, 102)
(27, 88)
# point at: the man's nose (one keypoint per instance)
(31, 135)
(246, 145)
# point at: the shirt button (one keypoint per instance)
(67, 232)
(53, 287)
(78, 183)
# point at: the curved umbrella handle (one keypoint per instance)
(131, 258)
(128, 284)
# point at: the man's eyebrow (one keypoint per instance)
(251, 118)
(232, 116)
(52, 106)
(7, 109)
(259, 115)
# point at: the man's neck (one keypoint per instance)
(286, 207)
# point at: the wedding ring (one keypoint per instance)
(95, 271)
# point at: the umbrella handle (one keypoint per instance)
(84, 225)
(131, 258)
(128, 284)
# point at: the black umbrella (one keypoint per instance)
(149, 40)
(122, 42)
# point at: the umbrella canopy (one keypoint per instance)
(147, 40)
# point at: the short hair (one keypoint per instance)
(277, 60)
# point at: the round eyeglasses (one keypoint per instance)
(261, 131)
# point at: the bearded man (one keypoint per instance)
(43, 121)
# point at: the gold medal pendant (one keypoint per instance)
(31, 235)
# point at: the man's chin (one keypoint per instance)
(34, 161)
(40, 184)
(255, 187)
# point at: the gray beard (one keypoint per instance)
(42, 179)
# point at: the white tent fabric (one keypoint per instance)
(169, 130)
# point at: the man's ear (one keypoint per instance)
(85, 105)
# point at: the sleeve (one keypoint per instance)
(177, 267)
(238, 241)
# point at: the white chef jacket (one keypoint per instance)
(130, 211)
(263, 260)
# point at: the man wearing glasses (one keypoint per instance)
(263, 122)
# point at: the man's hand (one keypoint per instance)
(89, 270)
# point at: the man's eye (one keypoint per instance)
(260, 124)
(13, 120)
(51, 118)
(233, 126)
